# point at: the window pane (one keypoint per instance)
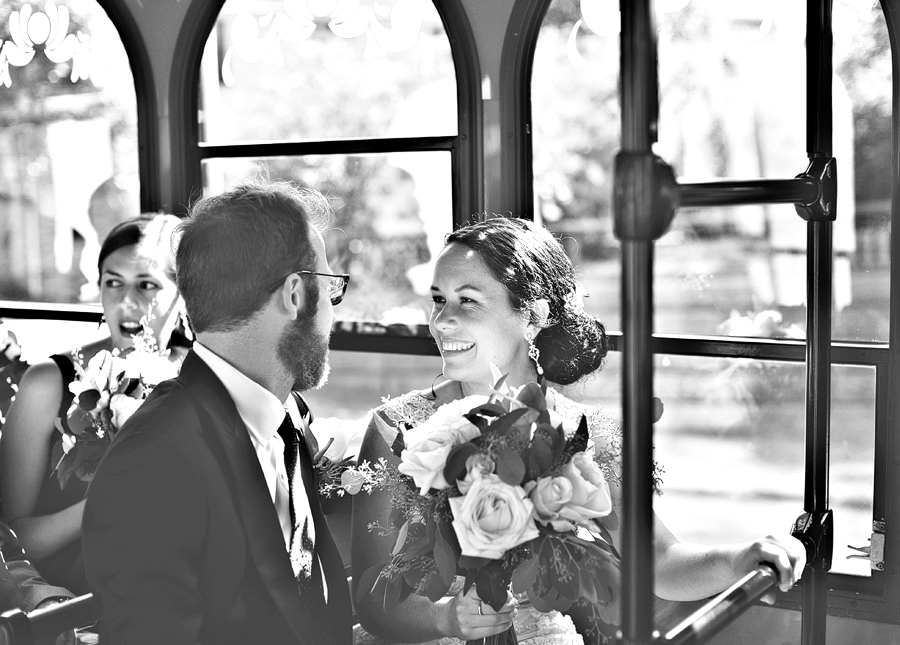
(68, 148)
(391, 213)
(731, 441)
(732, 104)
(323, 70)
(359, 380)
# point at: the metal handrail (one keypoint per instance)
(718, 612)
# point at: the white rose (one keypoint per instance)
(122, 407)
(492, 518)
(549, 495)
(428, 445)
(590, 494)
(327, 428)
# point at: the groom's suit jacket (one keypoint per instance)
(181, 539)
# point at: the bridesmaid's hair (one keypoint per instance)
(531, 263)
(152, 233)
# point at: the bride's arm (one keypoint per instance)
(691, 571)
(687, 571)
(417, 618)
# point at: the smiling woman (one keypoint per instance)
(141, 306)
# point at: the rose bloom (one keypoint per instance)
(492, 518)
(325, 429)
(122, 407)
(428, 445)
(579, 494)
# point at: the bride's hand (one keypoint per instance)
(469, 618)
(787, 555)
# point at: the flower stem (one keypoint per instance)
(503, 638)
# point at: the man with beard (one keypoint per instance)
(202, 524)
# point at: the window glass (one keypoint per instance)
(391, 213)
(359, 380)
(308, 69)
(731, 442)
(732, 104)
(68, 147)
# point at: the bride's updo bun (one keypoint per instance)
(532, 265)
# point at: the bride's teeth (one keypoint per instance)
(456, 347)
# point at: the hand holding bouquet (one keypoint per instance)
(499, 490)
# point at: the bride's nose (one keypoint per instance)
(445, 319)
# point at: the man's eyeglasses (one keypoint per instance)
(337, 284)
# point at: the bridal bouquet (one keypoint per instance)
(107, 392)
(500, 490)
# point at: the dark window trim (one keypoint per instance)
(145, 92)
(466, 153)
(516, 62)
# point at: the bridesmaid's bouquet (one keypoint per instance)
(106, 393)
(503, 491)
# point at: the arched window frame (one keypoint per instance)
(150, 197)
(876, 598)
(145, 94)
(465, 147)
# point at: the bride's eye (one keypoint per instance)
(436, 299)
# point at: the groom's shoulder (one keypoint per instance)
(168, 409)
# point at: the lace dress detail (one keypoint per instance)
(532, 627)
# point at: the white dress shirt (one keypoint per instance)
(262, 413)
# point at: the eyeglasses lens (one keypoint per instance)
(336, 290)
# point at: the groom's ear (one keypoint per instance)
(293, 296)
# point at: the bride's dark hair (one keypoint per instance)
(531, 264)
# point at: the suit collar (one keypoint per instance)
(261, 526)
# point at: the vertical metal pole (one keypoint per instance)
(819, 293)
(639, 113)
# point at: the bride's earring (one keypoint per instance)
(534, 353)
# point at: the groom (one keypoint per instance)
(202, 524)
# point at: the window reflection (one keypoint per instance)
(68, 147)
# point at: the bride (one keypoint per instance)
(504, 293)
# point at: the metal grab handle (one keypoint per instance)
(719, 611)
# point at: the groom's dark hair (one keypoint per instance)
(235, 245)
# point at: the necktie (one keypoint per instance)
(309, 580)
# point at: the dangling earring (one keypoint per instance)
(534, 353)
(102, 321)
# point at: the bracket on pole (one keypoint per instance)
(823, 171)
(816, 532)
(645, 196)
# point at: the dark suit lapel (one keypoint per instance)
(261, 525)
(339, 607)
